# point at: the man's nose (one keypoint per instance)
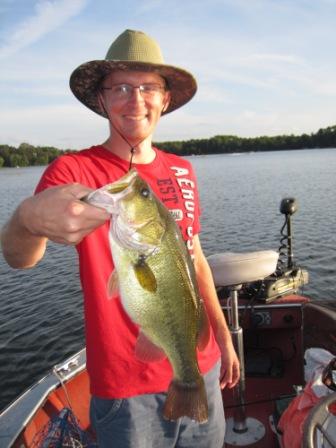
(136, 94)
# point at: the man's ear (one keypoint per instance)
(166, 102)
(101, 103)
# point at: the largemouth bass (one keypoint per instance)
(156, 280)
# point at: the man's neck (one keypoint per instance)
(143, 151)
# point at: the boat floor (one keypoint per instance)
(265, 400)
(263, 413)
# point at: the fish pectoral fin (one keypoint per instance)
(145, 276)
(147, 351)
(203, 335)
(113, 285)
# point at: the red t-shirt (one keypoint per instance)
(114, 370)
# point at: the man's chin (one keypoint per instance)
(137, 133)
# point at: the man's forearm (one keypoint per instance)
(229, 362)
(21, 249)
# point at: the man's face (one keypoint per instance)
(136, 113)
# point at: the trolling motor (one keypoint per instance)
(288, 207)
(288, 278)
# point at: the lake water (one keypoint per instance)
(41, 319)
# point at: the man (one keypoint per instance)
(132, 88)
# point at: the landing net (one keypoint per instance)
(63, 431)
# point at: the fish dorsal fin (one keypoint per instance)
(145, 275)
(147, 351)
(203, 335)
(113, 285)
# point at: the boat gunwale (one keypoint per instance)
(17, 415)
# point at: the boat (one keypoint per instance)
(273, 327)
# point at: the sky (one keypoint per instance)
(263, 67)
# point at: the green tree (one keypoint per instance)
(17, 160)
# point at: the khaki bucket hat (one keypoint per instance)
(132, 50)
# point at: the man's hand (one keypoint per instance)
(59, 215)
(230, 369)
(55, 214)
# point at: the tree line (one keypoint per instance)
(226, 144)
(29, 155)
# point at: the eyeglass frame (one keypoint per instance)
(161, 89)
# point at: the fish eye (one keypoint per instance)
(144, 192)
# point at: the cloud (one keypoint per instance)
(149, 5)
(62, 126)
(45, 91)
(49, 15)
(260, 71)
(256, 58)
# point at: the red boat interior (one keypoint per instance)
(79, 396)
(274, 344)
(273, 351)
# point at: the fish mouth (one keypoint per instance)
(121, 187)
(128, 233)
(109, 196)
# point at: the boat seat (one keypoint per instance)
(229, 269)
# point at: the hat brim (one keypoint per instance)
(85, 81)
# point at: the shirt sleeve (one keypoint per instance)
(64, 170)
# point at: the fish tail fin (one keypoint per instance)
(186, 399)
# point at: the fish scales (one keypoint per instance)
(158, 288)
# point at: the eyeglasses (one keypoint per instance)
(125, 91)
